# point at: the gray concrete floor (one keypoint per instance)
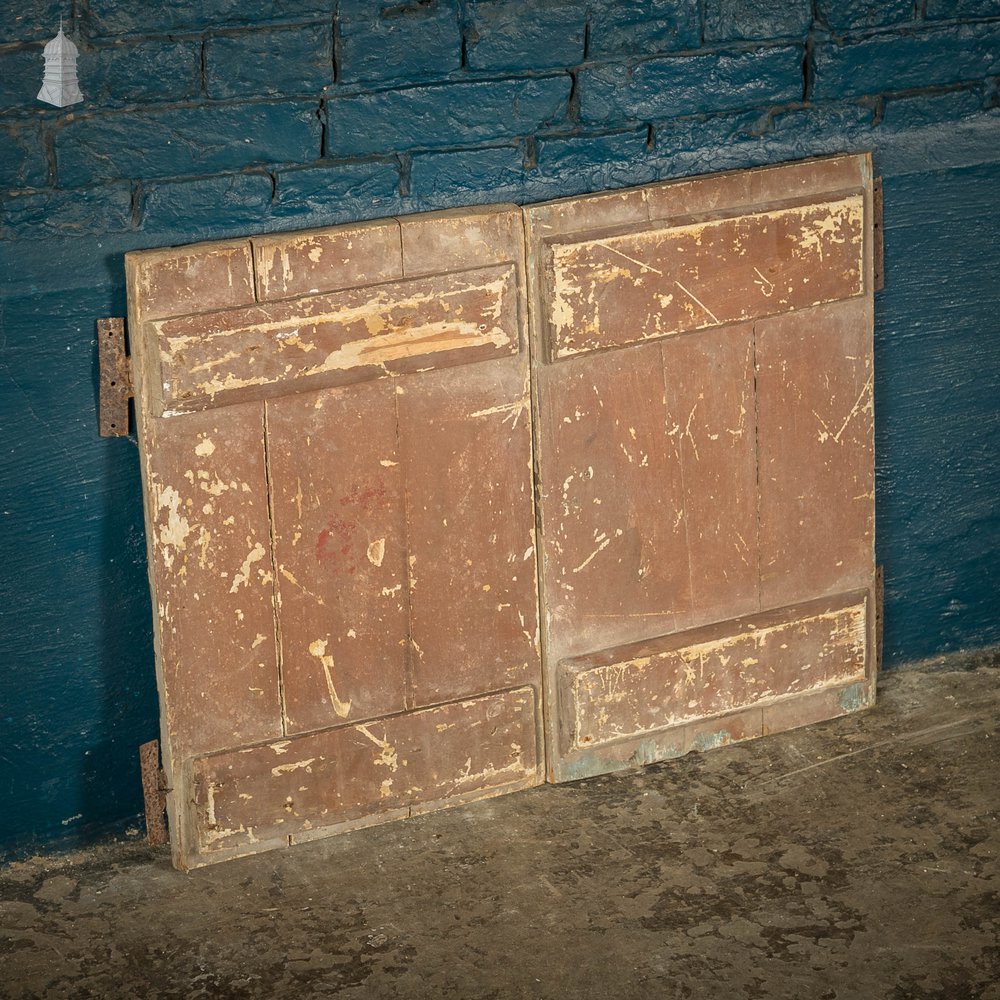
(855, 859)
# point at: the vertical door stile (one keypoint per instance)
(275, 587)
(409, 700)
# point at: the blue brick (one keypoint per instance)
(447, 115)
(582, 164)
(33, 20)
(410, 42)
(237, 202)
(524, 34)
(22, 158)
(643, 27)
(468, 176)
(324, 196)
(20, 78)
(885, 63)
(127, 17)
(105, 209)
(940, 9)
(268, 63)
(729, 20)
(736, 142)
(113, 75)
(847, 15)
(196, 140)
(686, 85)
(932, 109)
(946, 130)
(819, 130)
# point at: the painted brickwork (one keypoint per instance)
(219, 118)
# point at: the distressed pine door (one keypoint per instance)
(336, 442)
(702, 359)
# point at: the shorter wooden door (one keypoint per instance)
(702, 358)
(336, 450)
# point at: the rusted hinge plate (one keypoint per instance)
(154, 793)
(116, 379)
(878, 244)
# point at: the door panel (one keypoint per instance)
(817, 463)
(340, 552)
(466, 446)
(209, 550)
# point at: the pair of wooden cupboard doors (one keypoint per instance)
(441, 506)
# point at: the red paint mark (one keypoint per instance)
(368, 498)
(336, 535)
(335, 543)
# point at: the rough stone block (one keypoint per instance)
(180, 141)
(676, 85)
(20, 77)
(524, 34)
(238, 201)
(113, 75)
(428, 117)
(940, 9)
(931, 109)
(493, 174)
(643, 27)
(734, 20)
(885, 63)
(404, 42)
(125, 17)
(848, 15)
(32, 20)
(22, 159)
(106, 209)
(592, 163)
(277, 61)
(326, 195)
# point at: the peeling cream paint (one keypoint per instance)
(242, 578)
(318, 649)
(388, 757)
(296, 766)
(376, 552)
(174, 532)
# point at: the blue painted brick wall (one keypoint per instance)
(214, 118)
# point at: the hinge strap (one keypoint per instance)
(116, 378)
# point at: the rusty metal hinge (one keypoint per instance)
(154, 793)
(116, 378)
(878, 243)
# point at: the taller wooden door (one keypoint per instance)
(702, 357)
(336, 440)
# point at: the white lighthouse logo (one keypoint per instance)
(59, 85)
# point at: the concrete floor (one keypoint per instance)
(856, 859)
